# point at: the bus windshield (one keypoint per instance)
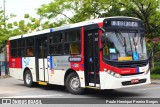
(124, 46)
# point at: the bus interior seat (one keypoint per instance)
(74, 49)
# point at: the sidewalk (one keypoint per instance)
(5, 76)
(155, 81)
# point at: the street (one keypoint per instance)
(12, 88)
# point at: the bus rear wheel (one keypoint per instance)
(28, 81)
(73, 84)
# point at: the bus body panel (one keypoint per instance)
(29, 62)
(56, 77)
(15, 62)
(57, 68)
(15, 68)
(16, 73)
(81, 78)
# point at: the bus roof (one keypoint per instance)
(67, 26)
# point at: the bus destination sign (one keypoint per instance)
(74, 59)
(124, 23)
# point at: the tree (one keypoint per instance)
(147, 10)
(60, 12)
(4, 32)
(61, 7)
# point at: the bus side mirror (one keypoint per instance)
(103, 39)
(103, 30)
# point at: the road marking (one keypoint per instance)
(35, 96)
(149, 88)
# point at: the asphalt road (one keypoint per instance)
(12, 88)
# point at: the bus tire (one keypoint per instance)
(28, 81)
(73, 84)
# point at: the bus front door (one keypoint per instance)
(42, 66)
(91, 58)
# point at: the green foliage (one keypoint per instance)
(156, 50)
(4, 32)
(80, 10)
(147, 10)
(33, 19)
(26, 16)
(155, 76)
(155, 70)
(15, 23)
(60, 12)
(10, 25)
(157, 64)
(149, 46)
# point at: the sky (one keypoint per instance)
(21, 7)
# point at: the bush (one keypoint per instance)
(157, 57)
(156, 64)
(155, 70)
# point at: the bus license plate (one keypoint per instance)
(134, 80)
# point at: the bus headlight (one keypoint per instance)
(114, 74)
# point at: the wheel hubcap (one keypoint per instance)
(74, 83)
(28, 78)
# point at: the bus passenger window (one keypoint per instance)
(74, 44)
(66, 48)
(30, 47)
(29, 52)
(74, 49)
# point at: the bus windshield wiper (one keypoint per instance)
(141, 42)
(121, 39)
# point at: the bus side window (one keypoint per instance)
(13, 48)
(29, 52)
(66, 48)
(74, 42)
(74, 49)
(17, 48)
(29, 47)
(55, 44)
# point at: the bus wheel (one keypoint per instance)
(73, 84)
(28, 81)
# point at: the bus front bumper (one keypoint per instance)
(108, 81)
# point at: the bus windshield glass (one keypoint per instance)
(124, 46)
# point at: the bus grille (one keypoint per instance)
(132, 74)
(128, 64)
(132, 64)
